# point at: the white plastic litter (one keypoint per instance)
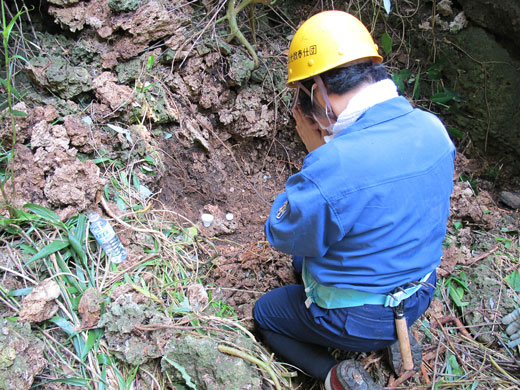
(207, 219)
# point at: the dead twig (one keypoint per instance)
(459, 326)
(482, 256)
(403, 378)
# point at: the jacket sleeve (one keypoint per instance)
(301, 221)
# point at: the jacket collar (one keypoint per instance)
(379, 113)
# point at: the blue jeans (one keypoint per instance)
(302, 336)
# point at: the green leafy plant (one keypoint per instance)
(386, 43)
(457, 287)
(513, 280)
(454, 132)
(401, 78)
(457, 225)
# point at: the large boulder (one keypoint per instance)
(498, 17)
(488, 81)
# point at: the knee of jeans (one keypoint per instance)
(257, 314)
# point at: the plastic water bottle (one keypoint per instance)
(107, 238)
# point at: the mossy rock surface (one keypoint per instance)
(488, 80)
(21, 355)
(197, 361)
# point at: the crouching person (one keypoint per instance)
(365, 217)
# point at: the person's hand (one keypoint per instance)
(308, 130)
(512, 320)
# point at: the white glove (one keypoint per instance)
(512, 320)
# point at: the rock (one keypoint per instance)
(78, 14)
(498, 17)
(75, 184)
(90, 307)
(510, 199)
(128, 72)
(114, 95)
(478, 208)
(21, 356)
(250, 116)
(78, 133)
(488, 80)
(123, 5)
(444, 7)
(56, 75)
(28, 183)
(152, 22)
(21, 126)
(241, 68)
(197, 296)
(206, 367)
(40, 304)
(131, 345)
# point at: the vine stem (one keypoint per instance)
(231, 16)
(251, 359)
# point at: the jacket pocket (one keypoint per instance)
(364, 326)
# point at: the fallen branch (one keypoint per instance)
(407, 375)
(425, 374)
(458, 324)
(482, 256)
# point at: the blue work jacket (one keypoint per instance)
(368, 210)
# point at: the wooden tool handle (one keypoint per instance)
(404, 343)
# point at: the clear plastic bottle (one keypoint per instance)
(107, 238)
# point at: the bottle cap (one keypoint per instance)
(93, 216)
(207, 219)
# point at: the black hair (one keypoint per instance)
(341, 80)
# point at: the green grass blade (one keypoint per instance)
(21, 292)
(43, 212)
(53, 247)
(7, 32)
(83, 382)
(183, 372)
(73, 282)
(78, 249)
(19, 57)
(64, 325)
(92, 339)
(19, 113)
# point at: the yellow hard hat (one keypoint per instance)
(327, 40)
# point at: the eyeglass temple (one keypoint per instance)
(299, 86)
(321, 86)
(324, 94)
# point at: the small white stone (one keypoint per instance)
(230, 216)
